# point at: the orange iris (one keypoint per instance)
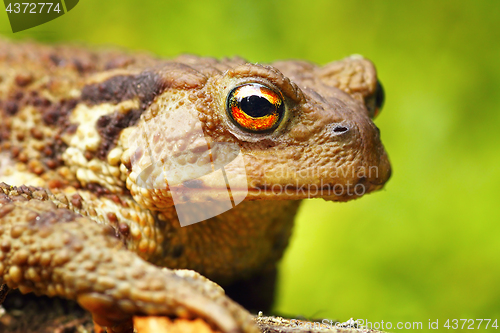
(255, 107)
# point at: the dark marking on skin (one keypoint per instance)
(23, 158)
(57, 114)
(116, 199)
(113, 223)
(97, 189)
(124, 229)
(46, 150)
(177, 251)
(79, 66)
(76, 200)
(11, 107)
(82, 63)
(54, 115)
(36, 167)
(5, 245)
(40, 101)
(128, 165)
(144, 86)
(112, 217)
(110, 126)
(4, 131)
(89, 155)
(55, 183)
(53, 154)
(18, 95)
(15, 151)
(36, 133)
(56, 60)
(22, 80)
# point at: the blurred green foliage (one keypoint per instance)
(428, 245)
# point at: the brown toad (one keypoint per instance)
(106, 154)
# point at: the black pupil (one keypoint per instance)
(256, 106)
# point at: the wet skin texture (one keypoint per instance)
(75, 221)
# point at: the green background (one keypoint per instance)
(428, 245)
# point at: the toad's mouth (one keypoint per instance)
(336, 190)
(331, 192)
(200, 199)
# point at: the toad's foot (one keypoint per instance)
(56, 252)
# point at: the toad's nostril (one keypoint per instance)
(339, 129)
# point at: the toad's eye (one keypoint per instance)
(255, 108)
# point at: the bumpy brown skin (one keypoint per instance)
(73, 145)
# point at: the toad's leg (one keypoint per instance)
(56, 252)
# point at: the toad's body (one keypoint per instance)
(79, 128)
